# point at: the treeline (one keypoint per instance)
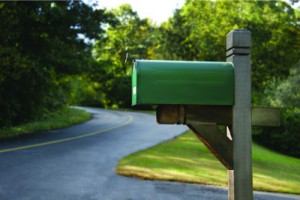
(68, 53)
(41, 46)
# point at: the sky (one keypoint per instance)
(157, 10)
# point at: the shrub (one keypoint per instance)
(284, 94)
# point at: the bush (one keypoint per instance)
(286, 138)
(26, 92)
(284, 94)
(81, 90)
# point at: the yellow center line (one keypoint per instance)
(66, 139)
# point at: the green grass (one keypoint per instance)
(61, 118)
(186, 159)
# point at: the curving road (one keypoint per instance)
(78, 162)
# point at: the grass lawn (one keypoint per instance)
(186, 159)
(62, 118)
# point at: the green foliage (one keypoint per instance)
(40, 43)
(22, 98)
(22, 83)
(284, 139)
(284, 94)
(80, 90)
(130, 38)
(198, 31)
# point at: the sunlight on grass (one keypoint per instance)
(186, 159)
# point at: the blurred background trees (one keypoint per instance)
(283, 94)
(198, 30)
(40, 44)
(69, 53)
(130, 38)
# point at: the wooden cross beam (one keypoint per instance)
(221, 115)
(204, 121)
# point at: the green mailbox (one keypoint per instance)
(182, 82)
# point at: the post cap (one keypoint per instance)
(238, 39)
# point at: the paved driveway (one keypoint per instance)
(78, 162)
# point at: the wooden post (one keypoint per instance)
(240, 179)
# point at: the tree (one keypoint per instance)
(173, 41)
(130, 38)
(198, 30)
(284, 94)
(21, 82)
(40, 43)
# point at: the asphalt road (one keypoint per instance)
(78, 163)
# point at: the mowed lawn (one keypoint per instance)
(186, 159)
